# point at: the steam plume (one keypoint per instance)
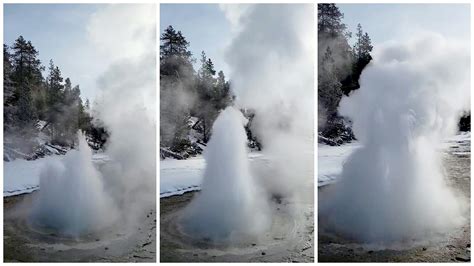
(230, 206)
(75, 196)
(394, 187)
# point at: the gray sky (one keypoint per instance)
(58, 32)
(205, 27)
(82, 39)
(62, 32)
(385, 22)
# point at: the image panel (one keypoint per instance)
(79, 133)
(394, 136)
(236, 133)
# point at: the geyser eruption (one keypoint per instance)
(275, 82)
(393, 188)
(127, 110)
(229, 206)
(271, 62)
(76, 197)
(72, 198)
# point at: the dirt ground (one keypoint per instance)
(289, 240)
(25, 242)
(455, 247)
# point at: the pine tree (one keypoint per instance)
(366, 47)
(206, 74)
(29, 97)
(362, 47)
(174, 44)
(9, 108)
(177, 80)
(330, 20)
(361, 52)
(27, 78)
(87, 105)
(358, 44)
(54, 101)
(214, 95)
(222, 91)
(332, 32)
(180, 81)
(335, 65)
(329, 86)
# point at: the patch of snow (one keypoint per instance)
(40, 124)
(51, 149)
(180, 176)
(330, 161)
(332, 158)
(458, 144)
(22, 176)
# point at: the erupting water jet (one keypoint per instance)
(230, 205)
(72, 198)
(393, 188)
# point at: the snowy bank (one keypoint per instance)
(330, 161)
(22, 176)
(180, 176)
(331, 158)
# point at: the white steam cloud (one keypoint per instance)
(394, 188)
(271, 63)
(230, 205)
(75, 196)
(76, 183)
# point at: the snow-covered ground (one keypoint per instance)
(181, 176)
(459, 144)
(22, 176)
(331, 158)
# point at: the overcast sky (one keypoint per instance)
(385, 22)
(205, 27)
(82, 39)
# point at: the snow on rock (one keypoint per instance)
(459, 144)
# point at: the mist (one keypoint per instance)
(126, 109)
(230, 206)
(271, 73)
(77, 196)
(76, 183)
(393, 188)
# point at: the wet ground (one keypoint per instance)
(26, 242)
(455, 247)
(289, 240)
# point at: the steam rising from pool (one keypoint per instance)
(394, 188)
